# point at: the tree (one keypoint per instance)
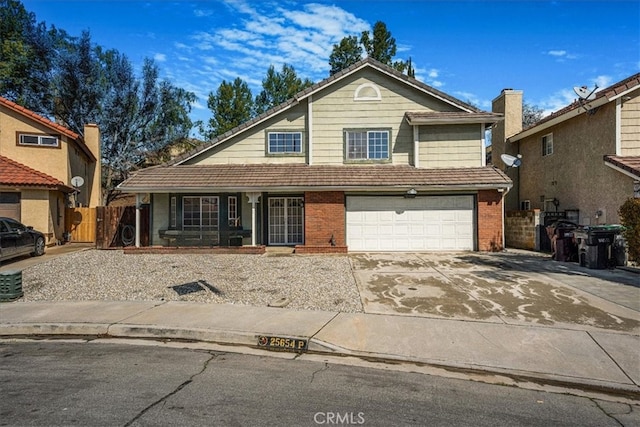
(140, 117)
(231, 105)
(345, 54)
(279, 86)
(380, 46)
(79, 85)
(530, 114)
(27, 54)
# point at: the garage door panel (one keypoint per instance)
(397, 224)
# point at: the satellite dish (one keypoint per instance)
(584, 93)
(77, 181)
(511, 161)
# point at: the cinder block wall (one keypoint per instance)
(521, 229)
(489, 220)
(324, 216)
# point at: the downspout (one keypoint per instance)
(416, 146)
(504, 237)
(310, 128)
(138, 203)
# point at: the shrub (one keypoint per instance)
(630, 217)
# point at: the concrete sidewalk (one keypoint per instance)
(591, 360)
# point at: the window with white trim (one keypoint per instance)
(38, 140)
(547, 145)
(232, 209)
(367, 144)
(173, 212)
(200, 213)
(284, 142)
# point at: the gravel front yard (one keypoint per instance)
(296, 281)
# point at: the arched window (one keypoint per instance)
(367, 92)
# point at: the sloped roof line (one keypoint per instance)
(628, 164)
(602, 96)
(319, 86)
(13, 173)
(38, 118)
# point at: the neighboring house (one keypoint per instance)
(366, 160)
(38, 159)
(583, 160)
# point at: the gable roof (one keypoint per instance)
(58, 128)
(340, 75)
(574, 109)
(301, 177)
(16, 174)
(629, 165)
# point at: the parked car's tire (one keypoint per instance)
(38, 249)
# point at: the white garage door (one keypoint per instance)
(430, 223)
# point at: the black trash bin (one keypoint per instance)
(562, 232)
(601, 246)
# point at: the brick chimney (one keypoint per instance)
(94, 187)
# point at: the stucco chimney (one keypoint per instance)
(92, 140)
(508, 103)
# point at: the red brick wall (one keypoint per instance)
(489, 220)
(324, 216)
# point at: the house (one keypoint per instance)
(581, 162)
(38, 159)
(365, 160)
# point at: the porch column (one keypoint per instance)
(254, 199)
(138, 203)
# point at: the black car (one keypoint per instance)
(17, 239)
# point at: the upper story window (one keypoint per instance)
(367, 145)
(284, 142)
(38, 140)
(547, 144)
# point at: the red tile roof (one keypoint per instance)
(301, 177)
(16, 174)
(38, 118)
(630, 164)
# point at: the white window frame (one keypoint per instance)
(283, 143)
(232, 211)
(547, 145)
(213, 222)
(40, 140)
(369, 134)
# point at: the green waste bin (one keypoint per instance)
(10, 285)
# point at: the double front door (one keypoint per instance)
(286, 220)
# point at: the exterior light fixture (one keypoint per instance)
(410, 194)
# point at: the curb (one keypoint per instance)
(315, 346)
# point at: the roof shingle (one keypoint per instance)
(300, 177)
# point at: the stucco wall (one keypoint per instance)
(575, 174)
(36, 212)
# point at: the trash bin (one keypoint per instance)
(565, 245)
(601, 247)
(10, 285)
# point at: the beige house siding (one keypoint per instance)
(630, 125)
(52, 161)
(575, 174)
(447, 146)
(335, 109)
(251, 146)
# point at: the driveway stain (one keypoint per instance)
(453, 289)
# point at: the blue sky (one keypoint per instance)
(468, 49)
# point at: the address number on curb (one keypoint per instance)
(282, 343)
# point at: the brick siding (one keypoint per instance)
(324, 218)
(489, 220)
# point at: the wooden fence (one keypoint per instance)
(81, 224)
(107, 226)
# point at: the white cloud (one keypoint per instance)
(200, 13)
(557, 52)
(160, 57)
(602, 81)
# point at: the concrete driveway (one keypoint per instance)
(513, 287)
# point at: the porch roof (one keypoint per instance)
(626, 164)
(301, 177)
(16, 175)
